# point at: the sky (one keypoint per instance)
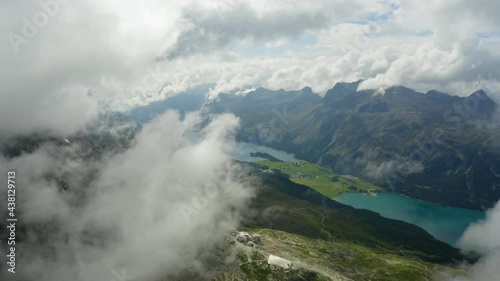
(69, 57)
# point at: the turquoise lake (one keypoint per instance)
(444, 223)
(243, 149)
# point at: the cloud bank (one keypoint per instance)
(149, 211)
(68, 58)
(483, 238)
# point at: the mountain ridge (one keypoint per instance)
(401, 139)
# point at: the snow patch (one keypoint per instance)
(277, 261)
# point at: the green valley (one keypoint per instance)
(320, 179)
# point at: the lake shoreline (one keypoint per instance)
(443, 222)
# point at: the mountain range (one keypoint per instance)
(432, 146)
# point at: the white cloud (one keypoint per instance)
(110, 47)
(152, 209)
(86, 46)
(483, 238)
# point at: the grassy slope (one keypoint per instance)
(334, 260)
(325, 240)
(322, 180)
(287, 206)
